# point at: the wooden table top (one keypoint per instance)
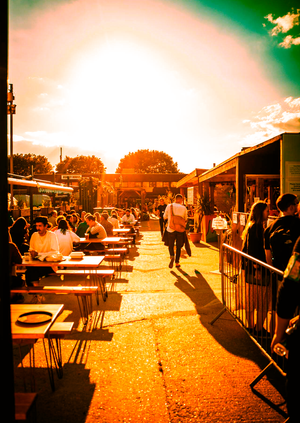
(121, 230)
(107, 240)
(20, 331)
(85, 261)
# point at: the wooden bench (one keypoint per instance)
(82, 293)
(97, 278)
(25, 407)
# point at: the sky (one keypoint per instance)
(198, 80)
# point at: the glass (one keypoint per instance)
(87, 235)
(27, 256)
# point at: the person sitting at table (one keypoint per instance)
(83, 226)
(128, 218)
(15, 281)
(42, 243)
(106, 224)
(113, 219)
(65, 238)
(95, 230)
(69, 219)
(58, 219)
(19, 234)
(52, 218)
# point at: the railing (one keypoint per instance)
(249, 290)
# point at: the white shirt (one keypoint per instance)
(128, 219)
(98, 230)
(44, 244)
(178, 210)
(65, 241)
(114, 222)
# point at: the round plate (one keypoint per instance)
(35, 317)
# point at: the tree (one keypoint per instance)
(22, 164)
(80, 164)
(148, 161)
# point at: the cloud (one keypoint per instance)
(289, 41)
(284, 24)
(272, 120)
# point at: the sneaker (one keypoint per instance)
(171, 262)
(177, 265)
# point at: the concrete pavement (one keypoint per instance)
(153, 355)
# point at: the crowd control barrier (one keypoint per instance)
(249, 291)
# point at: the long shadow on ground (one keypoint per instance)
(226, 331)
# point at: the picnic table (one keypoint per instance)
(24, 333)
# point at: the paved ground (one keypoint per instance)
(153, 355)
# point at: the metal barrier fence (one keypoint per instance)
(249, 290)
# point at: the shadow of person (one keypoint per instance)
(227, 332)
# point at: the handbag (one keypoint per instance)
(177, 223)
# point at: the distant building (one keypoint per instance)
(126, 189)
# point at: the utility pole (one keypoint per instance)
(6, 350)
(11, 110)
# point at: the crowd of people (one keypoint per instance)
(60, 232)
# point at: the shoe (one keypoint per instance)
(171, 262)
(177, 265)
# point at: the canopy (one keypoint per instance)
(42, 186)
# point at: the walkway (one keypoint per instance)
(154, 356)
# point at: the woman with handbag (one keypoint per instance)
(254, 295)
(176, 214)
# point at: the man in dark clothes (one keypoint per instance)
(288, 301)
(281, 235)
(160, 213)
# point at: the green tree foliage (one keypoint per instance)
(148, 161)
(80, 164)
(22, 164)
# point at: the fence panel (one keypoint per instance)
(249, 290)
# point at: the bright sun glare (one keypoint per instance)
(124, 94)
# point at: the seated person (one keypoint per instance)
(52, 218)
(106, 224)
(95, 230)
(42, 243)
(65, 238)
(82, 227)
(19, 234)
(128, 218)
(15, 281)
(113, 219)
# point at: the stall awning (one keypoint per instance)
(42, 186)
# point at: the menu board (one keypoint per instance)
(292, 177)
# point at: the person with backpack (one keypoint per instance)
(281, 235)
(176, 215)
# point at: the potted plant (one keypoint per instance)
(203, 208)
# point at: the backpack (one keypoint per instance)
(282, 244)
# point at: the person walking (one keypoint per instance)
(176, 228)
(160, 213)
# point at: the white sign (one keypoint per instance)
(70, 176)
(190, 195)
(234, 218)
(219, 223)
(243, 219)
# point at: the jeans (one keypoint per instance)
(178, 238)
